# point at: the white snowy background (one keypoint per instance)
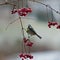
(10, 40)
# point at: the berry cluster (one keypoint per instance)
(22, 11)
(25, 56)
(53, 24)
(28, 42)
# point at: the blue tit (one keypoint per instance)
(31, 31)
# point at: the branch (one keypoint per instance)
(6, 2)
(11, 23)
(47, 6)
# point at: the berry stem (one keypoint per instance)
(23, 44)
(29, 46)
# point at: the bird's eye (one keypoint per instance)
(30, 26)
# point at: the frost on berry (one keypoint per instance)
(29, 44)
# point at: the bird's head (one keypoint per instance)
(29, 26)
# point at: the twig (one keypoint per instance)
(7, 3)
(11, 23)
(47, 6)
(22, 27)
(22, 33)
(47, 14)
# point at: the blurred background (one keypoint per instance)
(48, 48)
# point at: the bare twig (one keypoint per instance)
(23, 45)
(46, 6)
(11, 23)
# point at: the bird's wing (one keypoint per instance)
(31, 29)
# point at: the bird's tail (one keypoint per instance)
(38, 36)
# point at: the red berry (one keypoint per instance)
(24, 13)
(58, 27)
(23, 9)
(19, 10)
(49, 26)
(29, 10)
(21, 55)
(13, 11)
(25, 40)
(22, 58)
(29, 56)
(29, 44)
(20, 13)
(49, 23)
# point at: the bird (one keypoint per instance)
(31, 31)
